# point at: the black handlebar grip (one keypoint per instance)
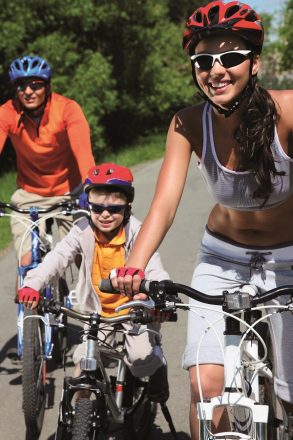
(106, 286)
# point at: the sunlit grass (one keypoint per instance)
(7, 187)
(149, 148)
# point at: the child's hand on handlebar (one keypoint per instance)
(29, 297)
(127, 280)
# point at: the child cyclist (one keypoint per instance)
(242, 136)
(105, 240)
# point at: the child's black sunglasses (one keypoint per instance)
(112, 209)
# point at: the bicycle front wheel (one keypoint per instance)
(33, 375)
(141, 412)
(82, 421)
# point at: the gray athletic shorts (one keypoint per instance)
(223, 265)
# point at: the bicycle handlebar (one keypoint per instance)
(57, 308)
(68, 204)
(161, 291)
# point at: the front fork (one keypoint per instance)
(259, 417)
(20, 316)
(48, 343)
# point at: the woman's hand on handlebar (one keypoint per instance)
(127, 280)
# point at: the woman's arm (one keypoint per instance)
(163, 208)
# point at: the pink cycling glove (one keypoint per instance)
(123, 271)
(27, 294)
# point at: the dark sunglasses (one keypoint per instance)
(33, 85)
(112, 209)
(205, 61)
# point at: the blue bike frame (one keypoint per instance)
(22, 271)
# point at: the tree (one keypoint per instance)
(286, 38)
(121, 60)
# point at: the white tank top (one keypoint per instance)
(235, 189)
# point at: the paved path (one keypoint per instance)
(178, 253)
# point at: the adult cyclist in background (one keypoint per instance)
(242, 137)
(51, 139)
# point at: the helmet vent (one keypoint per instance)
(25, 65)
(251, 16)
(96, 172)
(110, 171)
(198, 17)
(231, 11)
(243, 12)
(214, 15)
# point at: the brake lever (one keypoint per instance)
(149, 304)
(50, 306)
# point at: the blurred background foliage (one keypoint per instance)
(122, 60)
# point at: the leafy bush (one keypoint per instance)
(121, 60)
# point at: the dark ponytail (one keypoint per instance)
(255, 136)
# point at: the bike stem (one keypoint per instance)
(233, 336)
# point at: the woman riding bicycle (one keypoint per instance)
(242, 137)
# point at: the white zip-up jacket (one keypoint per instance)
(81, 240)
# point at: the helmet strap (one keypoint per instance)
(248, 89)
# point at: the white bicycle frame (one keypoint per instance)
(242, 368)
(233, 396)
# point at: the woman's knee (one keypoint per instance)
(211, 379)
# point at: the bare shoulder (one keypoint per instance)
(188, 123)
(284, 102)
(191, 115)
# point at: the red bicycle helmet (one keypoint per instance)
(110, 174)
(217, 17)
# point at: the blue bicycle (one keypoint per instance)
(40, 336)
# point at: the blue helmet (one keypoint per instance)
(29, 66)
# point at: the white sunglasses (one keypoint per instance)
(232, 58)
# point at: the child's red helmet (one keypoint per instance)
(217, 16)
(110, 174)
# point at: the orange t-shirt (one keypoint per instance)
(107, 256)
(52, 157)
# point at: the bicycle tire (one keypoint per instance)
(60, 335)
(62, 432)
(82, 420)
(141, 412)
(33, 375)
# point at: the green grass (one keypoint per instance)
(7, 187)
(149, 148)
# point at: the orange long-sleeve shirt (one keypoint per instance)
(53, 157)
